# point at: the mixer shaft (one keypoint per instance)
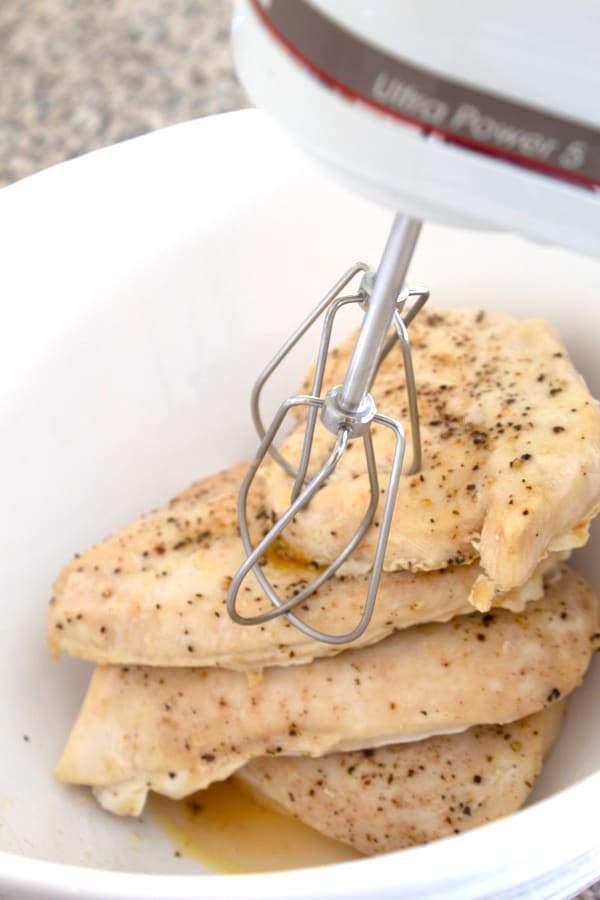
(378, 317)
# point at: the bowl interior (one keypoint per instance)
(144, 287)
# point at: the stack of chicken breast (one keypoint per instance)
(438, 718)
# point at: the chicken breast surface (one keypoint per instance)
(177, 730)
(511, 453)
(409, 794)
(155, 592)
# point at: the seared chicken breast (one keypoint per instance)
(176, 730)
(407, 794)
(511, 453)
(155, 593)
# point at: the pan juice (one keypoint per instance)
(229, 830)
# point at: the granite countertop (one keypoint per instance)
(82, 74)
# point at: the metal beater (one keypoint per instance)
(347, 411)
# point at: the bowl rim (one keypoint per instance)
(574, 851)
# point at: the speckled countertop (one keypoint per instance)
(82, 74)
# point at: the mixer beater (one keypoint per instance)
(348, 411)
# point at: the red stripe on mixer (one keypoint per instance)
(572, 149)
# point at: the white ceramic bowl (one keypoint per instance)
(142, 288)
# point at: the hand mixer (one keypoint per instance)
(469, 113)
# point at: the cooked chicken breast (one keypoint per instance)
(511, 453)
(155, 593)
(177, 730)
(407, 794)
